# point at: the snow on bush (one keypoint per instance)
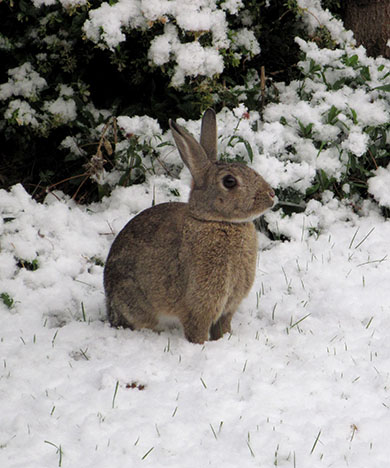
(21, 113)
(193, 60)
(332, 122)
(190, 18)
(315, 16)
(64, 106)
(379, 186)
(23, 81)
(64, 3)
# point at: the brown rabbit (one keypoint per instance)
(194, 261)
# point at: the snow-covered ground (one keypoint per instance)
(303, 381)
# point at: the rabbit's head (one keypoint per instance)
(221, 191)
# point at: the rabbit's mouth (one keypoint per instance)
(248, 219)
(228, 219)
(264, 199)
(254, 213)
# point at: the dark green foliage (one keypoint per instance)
(7, 300)
(276, 26)
(335, 6)
(31, 156)
(32, 265)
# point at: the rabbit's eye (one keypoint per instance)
(229, 181)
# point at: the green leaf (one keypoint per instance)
(332, 115)
(164, 143)
(365, 74)
(353, 115)
(383, 88)
(247, 145)
(313, 189)
(338, 84)
(305, 130)
(249, 150)
(7, 299)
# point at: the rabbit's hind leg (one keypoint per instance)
(221, 326)
(128, 312)
(196, 331)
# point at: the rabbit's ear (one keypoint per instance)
(208, 134)
(191, 152)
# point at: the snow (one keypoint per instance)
(308, 359)
(22, 112)
(161, 46)
(247, 40)
(379, 184)
(193, 59)
(110, 19)
(65, 108)
(64, 3)
(356, 142)
(146, 127)
(233, 6)
(23, 81)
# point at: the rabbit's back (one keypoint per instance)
(155, 226)
(142, 262)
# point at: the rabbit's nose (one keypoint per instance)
(271, 193)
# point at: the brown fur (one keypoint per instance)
(195, 261)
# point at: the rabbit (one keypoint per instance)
(194, 261)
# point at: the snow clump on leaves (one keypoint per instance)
(192, 20)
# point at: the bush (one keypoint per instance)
(335, 119)
(65, 61)
(91, 86)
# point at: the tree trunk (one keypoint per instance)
(370, 22)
